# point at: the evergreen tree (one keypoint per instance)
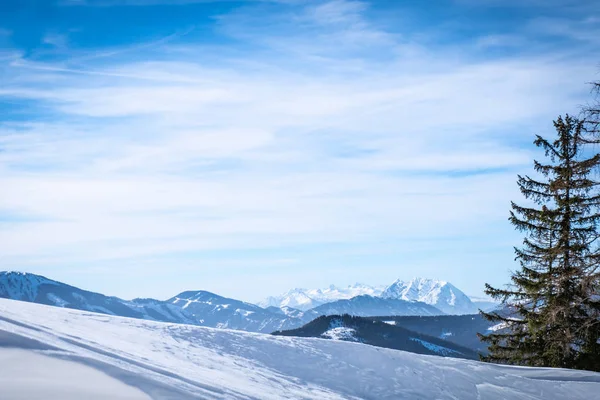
(552, 304)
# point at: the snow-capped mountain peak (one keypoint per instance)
(441, 294)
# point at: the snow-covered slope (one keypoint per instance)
(305, 299)
(369, 306)
(440, 294)
(171, 361)
(34, 376)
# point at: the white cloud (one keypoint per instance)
(289, 145)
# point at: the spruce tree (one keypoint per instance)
(552, 308)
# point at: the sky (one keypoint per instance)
(248, 147)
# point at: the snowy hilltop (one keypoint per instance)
(146, 359)
(380, 333)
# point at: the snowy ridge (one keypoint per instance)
(38, 289)
(21, 286)
(209, 309)
(168, 361)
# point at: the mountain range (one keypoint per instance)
(192, 307)
(198, 307)
(442, 295)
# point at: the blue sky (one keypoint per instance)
(247, 147)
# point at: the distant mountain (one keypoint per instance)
(305, 299)
(38, 289)
(367, 306)
(377, 333)
(209, 309)
(440, 294)
(295, 298)
(194, 307)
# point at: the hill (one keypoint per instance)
(378, 333)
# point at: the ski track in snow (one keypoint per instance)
(170, 361)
